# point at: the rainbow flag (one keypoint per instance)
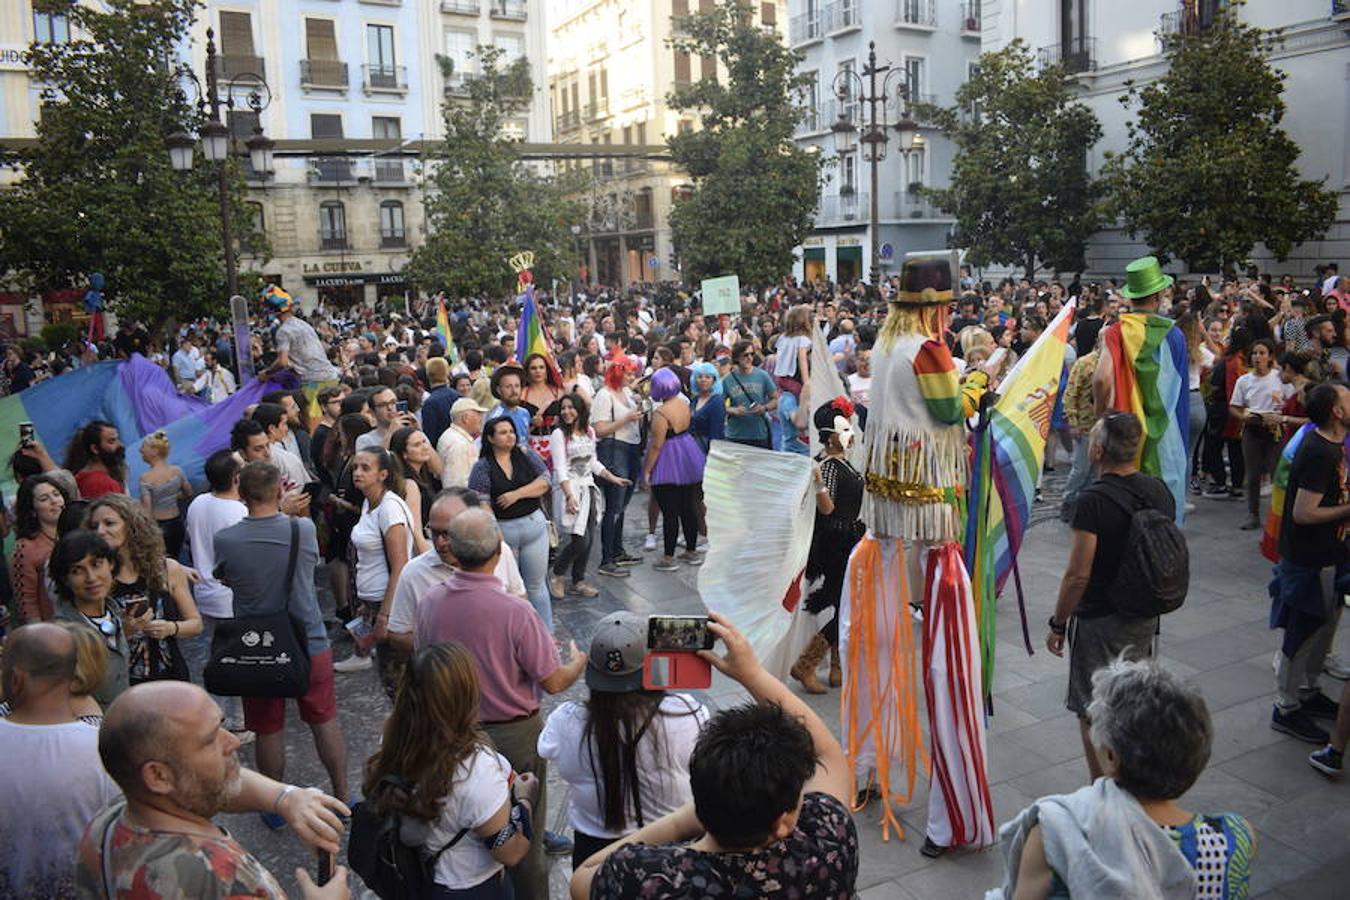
(532, 334)
(1150, 372)
(1279, 490)
(136, 396)
(443, 329)
(1006, 464)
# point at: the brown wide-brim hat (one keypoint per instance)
(504, 369)
(926, 280)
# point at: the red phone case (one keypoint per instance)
(675, 670)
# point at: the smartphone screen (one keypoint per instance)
(402, 406)
(136, 608)
(27, 434)
(686, 633)
(325, 873)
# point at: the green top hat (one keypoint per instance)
(1143, 278)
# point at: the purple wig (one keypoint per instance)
(665, 384)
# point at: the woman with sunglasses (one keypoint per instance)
(82, 567)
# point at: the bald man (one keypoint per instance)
(166, 746)
(52, 783)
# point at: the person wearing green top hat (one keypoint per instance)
(1143, 370)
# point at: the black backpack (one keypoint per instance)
(1155, 566)
(389, 867)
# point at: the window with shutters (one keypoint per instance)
(325, 125)
(679, 8)
(511, 45)
(322, 67)
(709, 67)
(237, 55)
(706, 5)
(681, 68)
(387, 128)
(329, 169)
(392, 233)
(332, 225)
(768, 14)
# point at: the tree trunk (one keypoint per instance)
(1031, 266)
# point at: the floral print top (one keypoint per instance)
(818, 860)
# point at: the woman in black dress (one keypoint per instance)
(839, 495)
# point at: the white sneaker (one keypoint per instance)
(353, 664)
(1266, 489)
(702, 542)
(1336, 667)
(649, 544)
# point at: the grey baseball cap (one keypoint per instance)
(617, 650)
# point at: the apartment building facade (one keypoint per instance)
(1111, 45)
(610, 71)
(928, 47)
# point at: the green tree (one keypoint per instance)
(483, 203)
(98, 192)
(1020, 188)
(1208, 172)
(755, 191)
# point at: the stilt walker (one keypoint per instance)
(916, 458)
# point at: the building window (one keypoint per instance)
(916, 70)
(322, 67)
(330, 169)
(682, 68)
(332, 225)
(380, 54)
(768, 14)
(236, 45)
(848, 174)
(459, 46)
(709, 67)
(914, 171)
(387, 128)
(50, 28)
(392, 233)
(511, 45)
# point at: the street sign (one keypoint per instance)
(888, 250)
(654, 262)
(722, 295)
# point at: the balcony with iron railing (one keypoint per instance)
(1186, 20)
(516, 10)
(568, 121)
(234, 66)
(331, 170)
(1079, 55)
(971, 22)
(390, 171)
(842, 15)
(333, 239)
(846, 206)
(814, 119)
(597, 109)
(460, 7)
(385, 78)
(327, 74)
(916, 14)
(457, 84)
(805, 28)
(912, 205)
(393, 237)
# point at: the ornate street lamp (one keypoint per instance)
(217, 142)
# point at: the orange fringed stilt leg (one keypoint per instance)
(879, 706)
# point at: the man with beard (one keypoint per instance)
(98, 459)
(165, 744)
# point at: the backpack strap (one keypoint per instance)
(453, 841)
(1128, 501)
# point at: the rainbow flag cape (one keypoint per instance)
(1006, 460)
(139, 398)
(443, 329)
(1150, 372)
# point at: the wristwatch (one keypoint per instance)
(1057, 628)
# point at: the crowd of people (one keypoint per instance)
(451, 495)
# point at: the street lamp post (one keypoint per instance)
(848, 86)
(217, 140)
(576, 257)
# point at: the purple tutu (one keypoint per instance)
(680, 461)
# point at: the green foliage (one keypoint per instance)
(1208, 172)
(755, 191)
(56, 335)
(33, 345)
(1020, 188)
(483, 203)
(99, 193)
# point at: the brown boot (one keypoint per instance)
(804, 669)
(836, 671)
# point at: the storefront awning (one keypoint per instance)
(814, 253)
(847, 254)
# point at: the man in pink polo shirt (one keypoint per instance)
(516, 657)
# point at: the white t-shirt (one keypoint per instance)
(206, 515)
(607, 409)
(785, 365)
(479, 788)
(1262, 393)
(51, 786)
(860, 388)
(662, 762)
(372, 569)
(427, 570)
(305, 351)
(293, 472)
(1206, 361)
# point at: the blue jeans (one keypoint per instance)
(528, 539)
(625, 461)
(1197, 430)
(788, 443)
(1080, 476)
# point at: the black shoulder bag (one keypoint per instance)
(262, 655)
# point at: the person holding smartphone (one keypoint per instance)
(791, 834)
(750, 394)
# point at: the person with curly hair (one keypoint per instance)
(37, 509)
(150, 590)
